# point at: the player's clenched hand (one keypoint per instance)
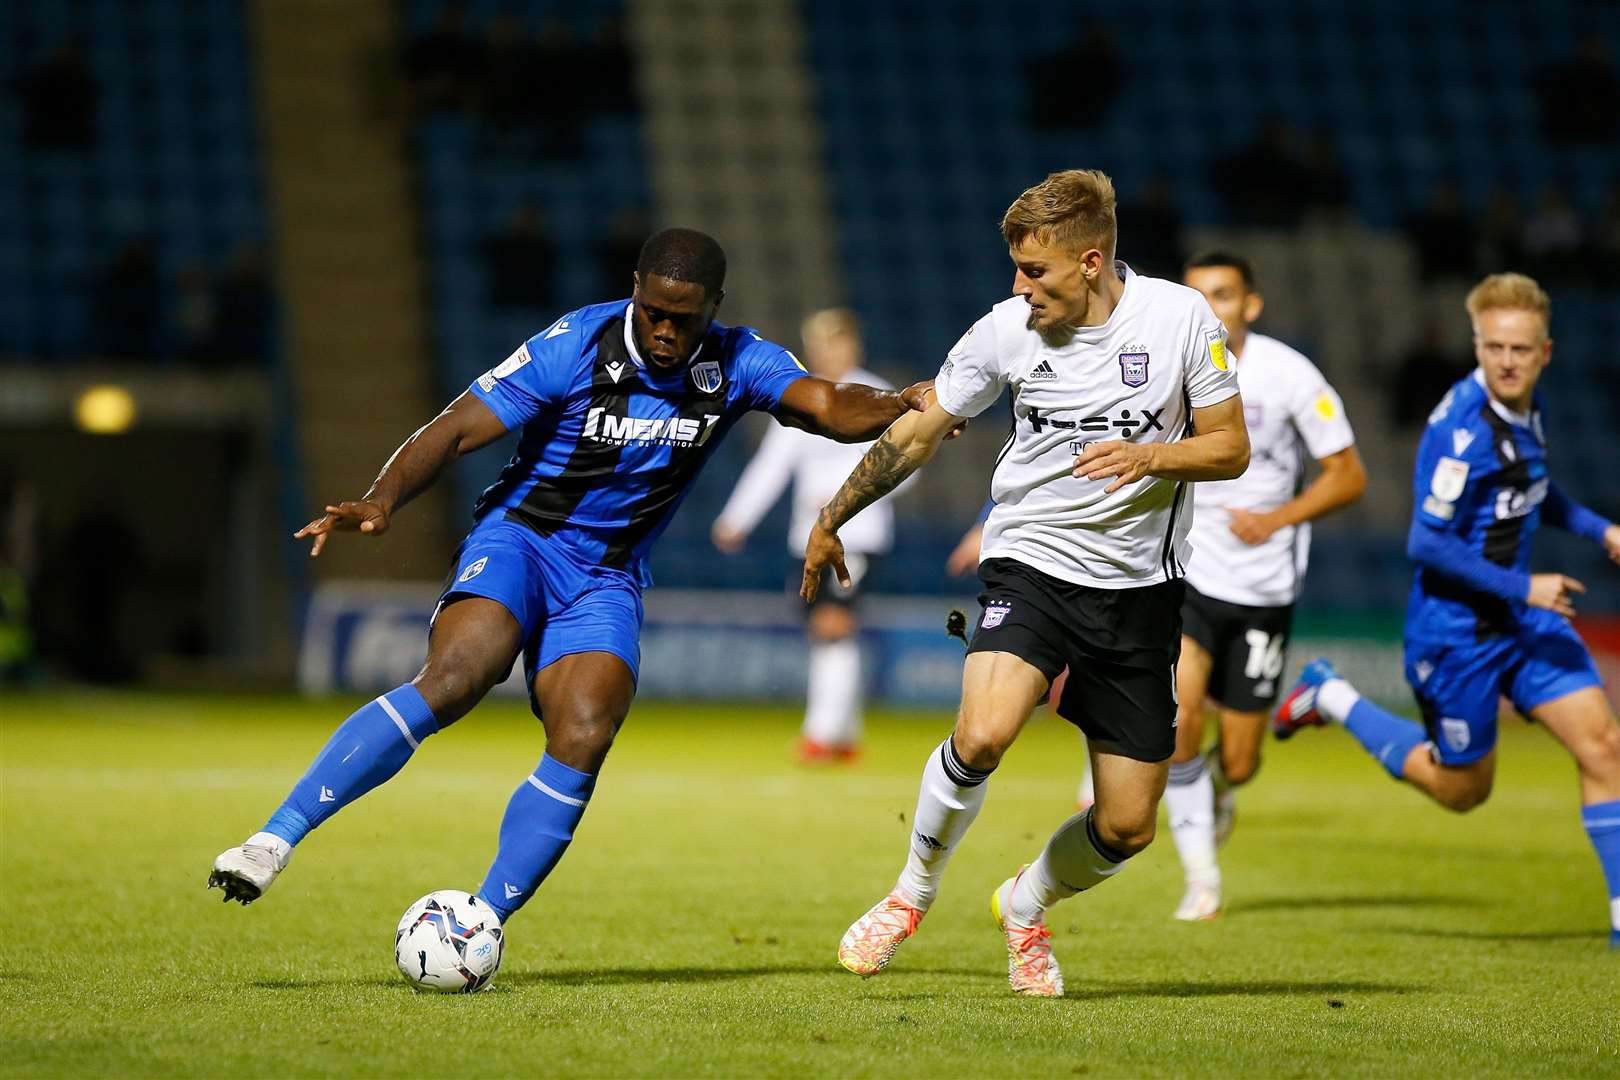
(915, 396)
(727, 541)
(1554, 592)
(1611, 542)
(349, 516)
(1125, 462)
(823, 550)
(1250, 527)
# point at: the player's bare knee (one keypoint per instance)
(1599, 757)
(1239, 768)
(978, 746)
(582, 739)
(452, 688)
(1126, 832)
(1465, 797)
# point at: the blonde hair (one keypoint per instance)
(829, 322)
(1513, 291)
(1072, 209)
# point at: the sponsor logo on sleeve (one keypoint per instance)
(1441, 409)
(513, 362)
(1217, 349)
(1435, 507)
(1449, 479)
(1461, 440)
(474, 569)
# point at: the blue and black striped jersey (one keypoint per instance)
(610, 445)
(1481, 476)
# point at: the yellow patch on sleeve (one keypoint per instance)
(1217, 349)
(1325, 407)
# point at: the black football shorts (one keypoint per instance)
(1248, 647)
(1120, 646)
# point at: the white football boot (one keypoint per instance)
(1201, 903)
(245, 872)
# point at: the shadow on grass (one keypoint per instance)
(1396, 900)
(1500, 935)
(626, 976)
(1235, 988)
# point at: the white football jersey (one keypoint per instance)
(1137, 377)
(817, 468)
(1291, 411)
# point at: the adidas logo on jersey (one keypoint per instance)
(1043, 370)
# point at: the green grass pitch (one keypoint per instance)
(692, 927)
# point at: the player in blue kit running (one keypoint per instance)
(619, 405)
(1479, 625)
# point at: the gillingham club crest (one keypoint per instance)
(706, 376)
(1133, 368)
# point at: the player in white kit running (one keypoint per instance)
(1250, 539)
(1122, 395)
(815, 467)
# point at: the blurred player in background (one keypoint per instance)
(815, 467)
(619, 405)
(1122, 395)
(1250, 541)
(1479, 625)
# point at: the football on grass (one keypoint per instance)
(449, 942)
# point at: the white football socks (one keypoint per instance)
(1190, 799)
(951, 797)
(1335, 698)
(1073, 861)
(832, 713)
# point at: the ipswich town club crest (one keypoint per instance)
(1133, 369)
(706, 376)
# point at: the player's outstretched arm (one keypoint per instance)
(465, 425)
(846, 412)
(902, 450)
(1218, 450)
(1342, 481)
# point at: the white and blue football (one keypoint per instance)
(449, 942)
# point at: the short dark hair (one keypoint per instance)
(1224, 258)
(684, 255)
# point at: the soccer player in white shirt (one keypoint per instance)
(1250, 539)
(787, 455)
(1122, 395)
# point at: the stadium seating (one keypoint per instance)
(926, 110)
(173, 159)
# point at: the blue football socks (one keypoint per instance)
(370, 747)
(536, 830)
(1385, 736)
(1602, 822)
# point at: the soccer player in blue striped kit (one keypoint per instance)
(619, 405)
(1479, 625)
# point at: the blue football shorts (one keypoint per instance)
(1459, 685)
(564, 604)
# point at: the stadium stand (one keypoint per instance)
(927, 107)
(128, 162)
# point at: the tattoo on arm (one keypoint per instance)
(880, 472)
